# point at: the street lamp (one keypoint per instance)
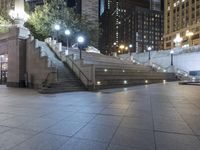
(122, 47)
(18, 14)
(1, 56)
(57, 28)
(178, 40)
(67, 33)
(149, 50)
(80, 41)
(130, 47)
(126, 48)
(172, 57)
(189, 34)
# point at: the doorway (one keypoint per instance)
(3, 68)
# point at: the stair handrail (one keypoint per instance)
(45, 82)
(158, 67)
(68, 57)
(50, 64)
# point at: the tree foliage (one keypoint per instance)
(42, 21)
(5, 20)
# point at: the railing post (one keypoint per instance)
(93, 77)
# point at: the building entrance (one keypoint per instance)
(3, 68)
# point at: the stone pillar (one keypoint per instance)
(19, 5)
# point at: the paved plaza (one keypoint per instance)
(153, 117)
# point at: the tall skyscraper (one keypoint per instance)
(136, 25)
(90, 10)
(182, 18)
(155, 5)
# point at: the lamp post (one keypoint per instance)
(172, 57)
(57, 28)
(130, 47)
(126, 48)
(67, 33)
(121, 47)
(149, 50)
(2, 56)
(18, 14)
(189, 34)
(178, 39)
(80, 41)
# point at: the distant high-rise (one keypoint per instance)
(155, 5)
(90, 10)
(136, 25)
(182, 18)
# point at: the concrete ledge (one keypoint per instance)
(12, 84)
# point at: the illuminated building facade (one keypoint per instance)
(182, 17)
(137, 23)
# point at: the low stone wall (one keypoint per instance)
(37, 66)
(187, 61)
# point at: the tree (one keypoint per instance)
(43, 19)
(5, 20)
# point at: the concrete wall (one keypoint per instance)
(9, 44)
(25, 64)
(37, 66)
(189, 61)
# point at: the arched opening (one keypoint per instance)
(3, 68)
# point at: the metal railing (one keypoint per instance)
(50, 64)
(79, 73)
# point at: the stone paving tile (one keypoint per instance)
(65, 128)
(58, 115)
(91, 109)
(138, 123)
(115, 119)
(80, 144)
(194, 122)
(16, 121)
(134, 138)
(113, 111)
(4, 129)
(42, 141)
(174, 126)
(14, 137)
(80, 117)
(106, 120)
(39, 124)
(169, 141)
(4, 116)
(117, 147)
(144, 114)
(96, 132)
(119, 106)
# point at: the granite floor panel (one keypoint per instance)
(150, 117)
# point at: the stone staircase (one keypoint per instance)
(108, 78)
(66, 80)
(110, 72)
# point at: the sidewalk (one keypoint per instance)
(153, 117)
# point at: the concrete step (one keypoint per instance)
(60, 90)
(120, 83)
(117, 77)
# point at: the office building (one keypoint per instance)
(182, 17)
(136, 25)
